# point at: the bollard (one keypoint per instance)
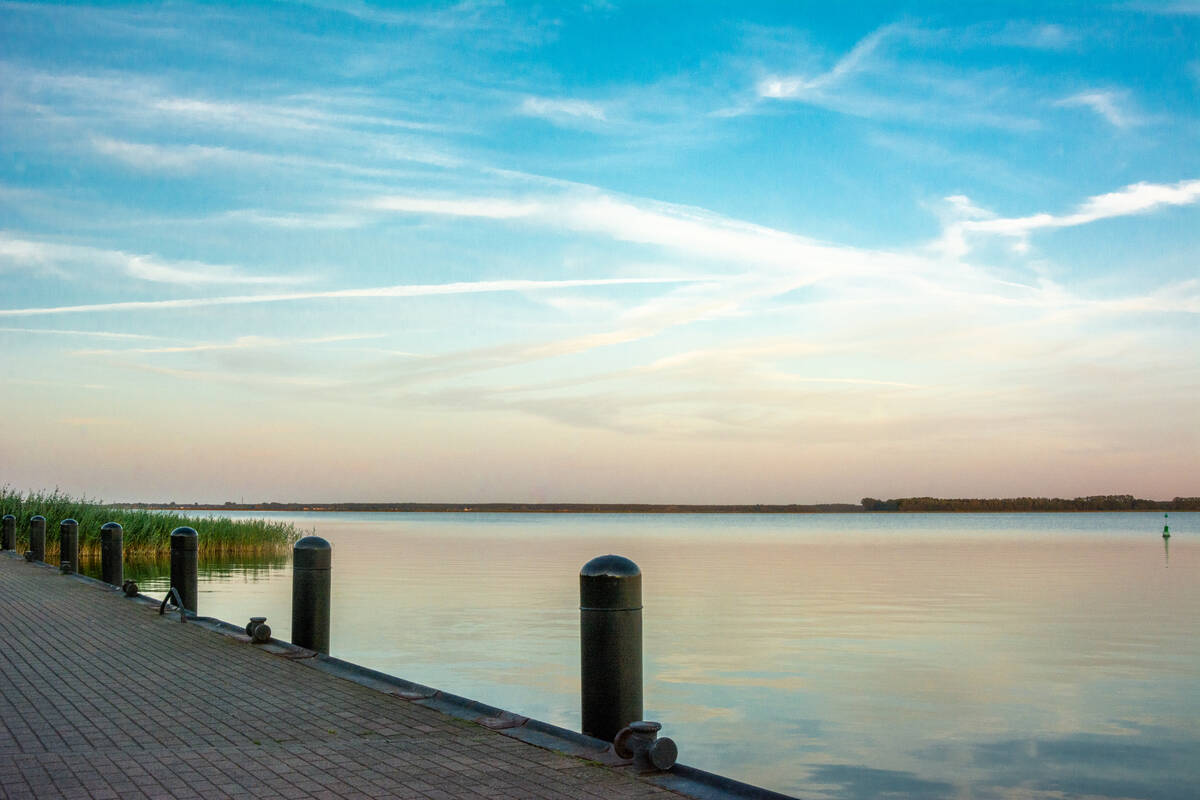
(639, 742)
(68, 544)
(37, 538)
(112, 565)
(610, 611)
(183, 566)
(8, 532)
(258, 630)
(311, 559)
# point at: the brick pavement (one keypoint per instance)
(100, 697)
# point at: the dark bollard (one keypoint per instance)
(8, 532)
(68, 544)
(37, 538)
(610, 609)
(640, 743)
(311, 559)
(112, 569)
(184, 543)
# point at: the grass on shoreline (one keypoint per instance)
(143, 532)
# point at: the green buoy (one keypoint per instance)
(1166, 528)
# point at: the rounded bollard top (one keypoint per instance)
(610, 583)
(69, 521)
(184, 539)
(609, 566)
(312, 552)
(111, 526)
(7, 517)
(37, 518)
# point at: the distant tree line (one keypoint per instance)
(543, 508)
(1104, 502)
(1108, 502)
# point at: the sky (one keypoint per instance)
(600, 252)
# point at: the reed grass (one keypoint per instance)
(143, 532)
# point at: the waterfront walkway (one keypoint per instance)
(101, 697)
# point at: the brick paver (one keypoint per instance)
(100, 697)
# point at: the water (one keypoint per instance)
(849, 656)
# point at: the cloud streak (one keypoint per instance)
(1108, 105)
(156, 158)
(241, 343)
(403, 290)
(558, 109)
(799, 87)
(97, 334)
(1138, 198)
(897, 72)
(64, 258)
(687, 230)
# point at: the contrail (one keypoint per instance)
(403, 290)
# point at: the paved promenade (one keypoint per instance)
(101, 697)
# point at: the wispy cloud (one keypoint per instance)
(559, 109)
(406, 290)
(875, 310)
(240, 343)
(1138, 198)
(784, 87)
(487, 207)
(184, 159)
(490, 24)
(1112, 106)
(97, 334)
(883, 305)
(679, 228)
(771, 263)
(905, 72)
(112, 109)
(70, 259)
(296, 220)
(159, 158)
(1185, 8)
(259, 378)
(1035, 35)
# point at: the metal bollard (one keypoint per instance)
(112, 563)
(184, 542)
(610, 610)
(258, 630)
(8, 532)
(311, 558)
(37, 538)
(640, 743)
(68, 544)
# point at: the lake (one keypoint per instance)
(827, 656)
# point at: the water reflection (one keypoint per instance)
(1146, 762)
(152, 573)
(902, 656)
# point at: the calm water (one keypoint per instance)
(858, 656)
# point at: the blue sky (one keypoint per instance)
(773, 252)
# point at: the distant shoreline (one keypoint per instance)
(923, 505)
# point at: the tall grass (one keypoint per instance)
(143, 532)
